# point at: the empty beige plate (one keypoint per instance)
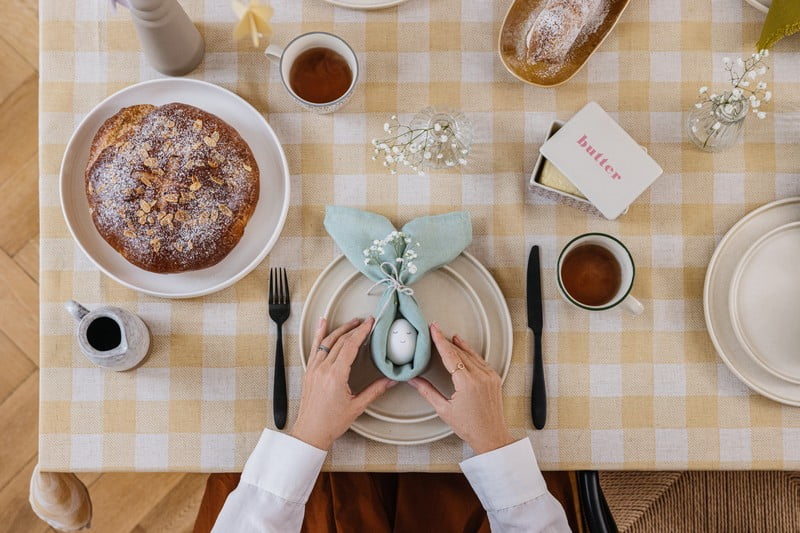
(765, 301)
(457, 287)
(439, 294)
(716, 297)
(512, 42)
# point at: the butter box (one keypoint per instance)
(599, 168)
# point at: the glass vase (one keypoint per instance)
(441, 123)
(715, 127)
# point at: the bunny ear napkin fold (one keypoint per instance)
(395, 260)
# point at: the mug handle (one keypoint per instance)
(274, 52)
(632, 305)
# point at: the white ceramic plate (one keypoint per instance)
(719, 276)
(365, 4)
(761, 5)
(472, 274)
(765, 301)
(262, 230)
(439, 293)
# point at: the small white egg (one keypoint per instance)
(402, 342)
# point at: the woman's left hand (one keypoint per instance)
(327, 406)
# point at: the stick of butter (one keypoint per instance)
(553, 178)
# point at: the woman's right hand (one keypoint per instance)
(475, 411)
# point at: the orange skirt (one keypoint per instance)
(344, 502)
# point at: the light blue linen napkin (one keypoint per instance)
(373, 245)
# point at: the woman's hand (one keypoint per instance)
(475, 412)
(327, 406)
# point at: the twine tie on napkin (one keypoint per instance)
(395, 285)
(395, 260)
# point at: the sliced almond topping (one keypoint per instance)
(247, 167)
(140, 189)
(146, 146)
(156, 244)
(128, 191)
(204, 217)
(158, 172)
(166, 220)
(144, 206)
(198, 125)
(209, 141)
(91, 188)
(225, 210)
(195, 146)
(151, 220)
(187, 196)
(130, 224)
(212, 163)
(129, 234)
(143, 152)
(189, 245)
(145, 178)
(195, 184)
(215, 136)
(100, 188)
(171, 198)
(153, 202)
(151, 162)
(170, 123)
(217, 180)
(214, 215)
(178, 246)
(150, 232)
(143, 219)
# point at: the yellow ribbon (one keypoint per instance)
(253, 20)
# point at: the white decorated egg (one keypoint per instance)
(402, 342)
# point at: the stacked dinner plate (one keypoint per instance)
(752, 300)
(462, 297)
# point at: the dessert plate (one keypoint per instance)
(765, 301)
(365, 4)
(262, 230)
(464, 280)
(716, 293)
(439, 293)
(512, 42)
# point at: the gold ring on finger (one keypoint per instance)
(459, 366)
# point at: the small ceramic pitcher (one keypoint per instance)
(109, 336)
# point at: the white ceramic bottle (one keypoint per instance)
(169, 39)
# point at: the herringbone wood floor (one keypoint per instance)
(122, 502)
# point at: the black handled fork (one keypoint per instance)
(279, 312)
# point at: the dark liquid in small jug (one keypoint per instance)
(591, 275)
(320, 75)
(104, 334)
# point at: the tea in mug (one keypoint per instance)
(320, 75)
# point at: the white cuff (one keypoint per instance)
(505, 477)
(284, 466)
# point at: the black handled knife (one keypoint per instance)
(534, 287)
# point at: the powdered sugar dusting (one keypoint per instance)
(176, 191)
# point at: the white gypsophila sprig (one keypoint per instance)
(746, 91)
(404, 251)
(743, 75)
(416, 147)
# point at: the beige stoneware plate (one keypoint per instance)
(262, 230)
(512, 43)
(765, 301)
(463, 280)
(365, 4)
(439, 293)
(716, 293)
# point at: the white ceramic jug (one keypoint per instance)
(109, 336)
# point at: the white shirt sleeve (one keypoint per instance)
(511, 488)
(275, 485)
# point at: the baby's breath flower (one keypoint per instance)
(761, 115)
(716, 126)
(768, 96)
(703, 89)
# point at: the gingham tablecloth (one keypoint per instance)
(624, 392)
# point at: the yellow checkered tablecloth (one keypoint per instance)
(625, 392)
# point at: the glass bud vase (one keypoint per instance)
(714, 127)
(450, 137)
